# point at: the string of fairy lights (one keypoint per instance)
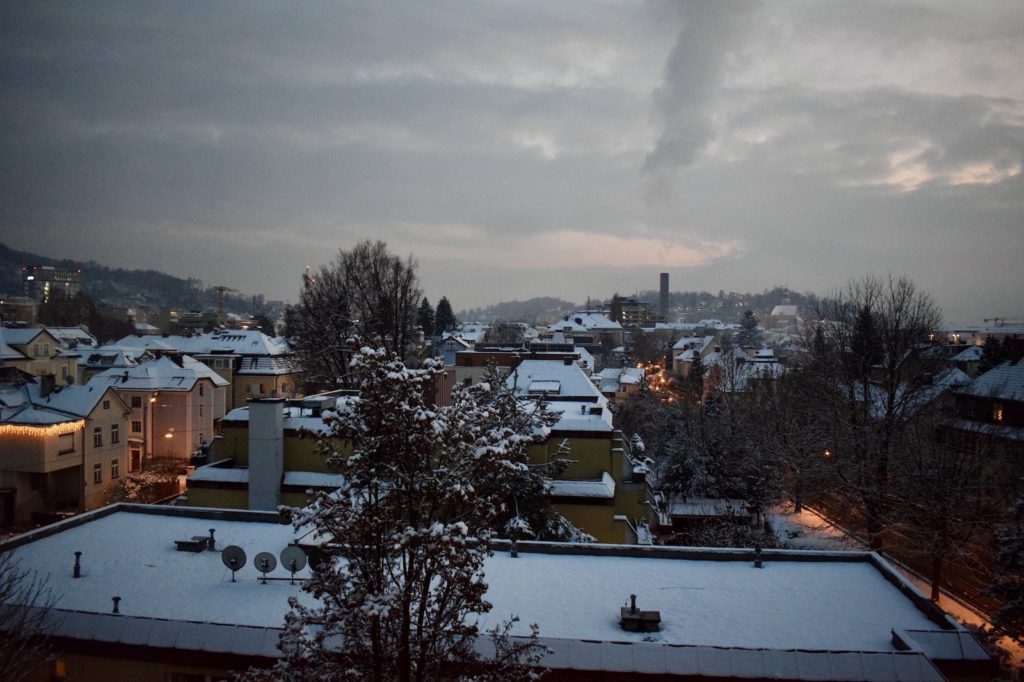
(42, 430)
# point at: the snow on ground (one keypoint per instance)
(807, 529)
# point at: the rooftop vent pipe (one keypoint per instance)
(117, 601)
(78, 565)
(633, 619)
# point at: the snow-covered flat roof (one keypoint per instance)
(604, 488)
(582, 416)
(835, 602)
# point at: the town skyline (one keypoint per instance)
(525, 150)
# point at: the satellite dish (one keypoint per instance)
(265, 563)
(293, 559)
(233, 557)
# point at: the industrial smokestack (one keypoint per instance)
(663, 299)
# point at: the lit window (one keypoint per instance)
(115, 469)
(97, 437)
(997, 412)
(137, 426)
(115, 433)
(97, 474)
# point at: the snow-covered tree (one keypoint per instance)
(402, 586)
(522, 486)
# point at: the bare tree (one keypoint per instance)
(366, 292)
(942, 498)
(871, 383)
(25, 602)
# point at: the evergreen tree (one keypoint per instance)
(749, 334)
(425, 317)
(401, 582)
(444, 318)
(615, 308)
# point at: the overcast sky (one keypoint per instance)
(522, 148)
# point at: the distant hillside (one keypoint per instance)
(689, 305)
(119, 286)
(542, 310)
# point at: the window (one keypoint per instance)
(115, 469)
(136, 426)
(97, 437)
(65, 443)
(38, 481)
(200, 410)
(136, 458)
(63, 373)
(106, 406)
(136, 401)
(46, 349)
(35, 350)
(97, 474)
(115, 433)
(201, 390)
(997, 412)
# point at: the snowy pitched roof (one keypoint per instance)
(719, 617)
(73, 336)
(6, 352)
(134, 342)
(162, 374)
(562, 380)
(237, 341)
(108, 359)
(611, 379)
(1005, 381)
(22, 336)
(785, 310)
(969, 354)
(585, 320)
(77, 399)
(228, 342)
(693, 342)
(267, 364)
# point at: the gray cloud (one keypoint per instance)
(512, 147)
